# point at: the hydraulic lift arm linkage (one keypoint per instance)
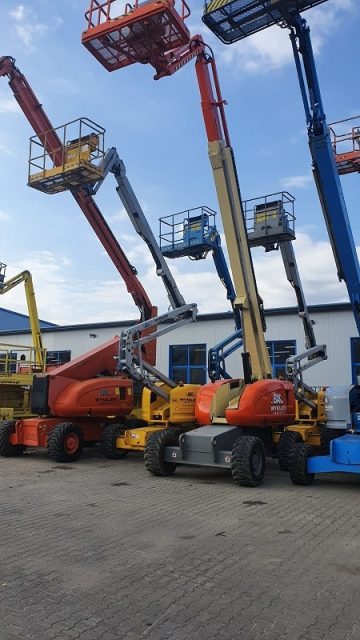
(40, 123)
(134, 340)
(7, 285)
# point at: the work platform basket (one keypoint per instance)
(189, 233)
(232, 20)
(346, 144)
(121, 33)
(270, 220)
(67, 157)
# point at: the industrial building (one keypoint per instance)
(182, 353)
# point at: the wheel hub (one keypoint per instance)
(71, 443)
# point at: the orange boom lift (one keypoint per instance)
(76, 400)
(237, 416)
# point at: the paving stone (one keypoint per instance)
(191, 556)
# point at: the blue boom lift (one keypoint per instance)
(231, 21)
(193, 233)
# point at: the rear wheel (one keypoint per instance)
(154, 452)
(298, 462)
(326, 436)
(65, 443)
(248, 461)
(7, 449)
(288, 440)
(108, 442)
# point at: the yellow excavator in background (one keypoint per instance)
(19, 363)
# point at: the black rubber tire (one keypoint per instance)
(108, 442)
(298, 465)
(248, 461)
(8, 450)
(135, 423)
(56, 445)
(154, 452)
(326, 435)
(288, 440)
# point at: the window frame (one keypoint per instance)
(57, 363)
(187, 368)
(271, 344)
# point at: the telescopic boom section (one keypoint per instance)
(41, 124)
(228, 192)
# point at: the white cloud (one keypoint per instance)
(8, 104)
(270, 49)
(6, 150)
(65, 300)
(28, 27)
(4, 216)
(296, 182)
(118, 216)
(18, 13)
(316, 265)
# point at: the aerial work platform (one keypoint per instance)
(76, 162)
(270, 220)
(232, 20)
(143, 33)
(346, 146)
(189, 233)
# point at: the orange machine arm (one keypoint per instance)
(212, 102)
(39, 121)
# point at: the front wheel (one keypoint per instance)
(108, 442)
(298, 462)
(288, 440)
(154, 452)
(248, 461)
(8, 450)
(65, 443)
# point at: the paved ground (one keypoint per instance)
(101, 550)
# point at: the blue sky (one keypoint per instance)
(158, 130)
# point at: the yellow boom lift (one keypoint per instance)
(19, 363)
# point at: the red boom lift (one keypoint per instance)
(86, 389)
(41, 124)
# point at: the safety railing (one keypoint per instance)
(18, 361)
(101, 12)
(271, 216)
(187, 232)
(347, 141)
(77, 161)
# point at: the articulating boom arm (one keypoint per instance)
(218, 354)
(224, 275)
(113, 164)
(39, 121)
(324, 164)
(293, 276)
(25, 277)
(132, 343)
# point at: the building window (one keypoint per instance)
(355, 360)
(279, 352)
(187, 363)
(58, 357)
